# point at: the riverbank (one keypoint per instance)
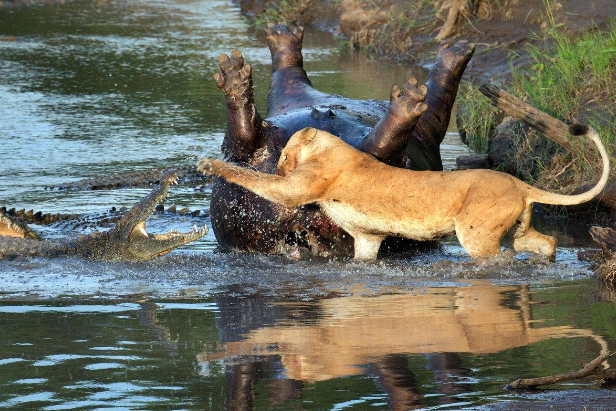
(409, 31)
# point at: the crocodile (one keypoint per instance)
(127, 240)
(133, 178)
(106, 219)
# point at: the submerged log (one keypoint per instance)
(589, 369)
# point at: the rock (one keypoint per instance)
(606, 238)
(504, 145)
(472, 162)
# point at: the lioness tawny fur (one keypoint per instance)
(371, 200)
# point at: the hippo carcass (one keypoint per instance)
(393, 132)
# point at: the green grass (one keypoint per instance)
(573, 80)
(479, 117)
(286, 11)
(566, 74)
(394, 38)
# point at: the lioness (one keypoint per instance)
(371, 200)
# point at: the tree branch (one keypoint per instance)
(588, 369)
(550, 127)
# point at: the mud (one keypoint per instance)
(500, 32)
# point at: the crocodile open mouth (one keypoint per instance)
(10, 227)
(132, 226)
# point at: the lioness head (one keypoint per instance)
(297, 149)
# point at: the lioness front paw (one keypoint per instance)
(407, 102)
(206, 166)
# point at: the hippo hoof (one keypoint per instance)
(281, 38)
(406, 103)
(455, 57)
(235, 78)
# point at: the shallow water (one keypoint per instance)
(87, 90)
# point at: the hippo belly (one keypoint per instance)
(350, 125)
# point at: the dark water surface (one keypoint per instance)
(87, 90)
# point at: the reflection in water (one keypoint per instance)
(297, 343)
(378, 346)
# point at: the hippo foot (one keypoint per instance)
(285, 45)
(236, 79)
(406, 103)
(390, 135)
(243, 121)
(452, 60)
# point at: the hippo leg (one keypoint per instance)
(243, 121)
(389, 136)
(290, 87)
(422, 150)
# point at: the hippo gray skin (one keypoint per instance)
(404, 132)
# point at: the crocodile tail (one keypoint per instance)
(545, 197)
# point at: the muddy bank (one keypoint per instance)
(407, 32)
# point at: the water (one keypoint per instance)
(91, 89)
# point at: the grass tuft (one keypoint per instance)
(478, 116)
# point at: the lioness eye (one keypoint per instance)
(284, 158)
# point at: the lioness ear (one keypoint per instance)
(309, 134)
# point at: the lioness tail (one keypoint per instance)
(540, 196)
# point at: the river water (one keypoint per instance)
(90, 89)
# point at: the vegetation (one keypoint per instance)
(479, 117)
(391, 34)
(286, 11)
(571, 79)
(394, 36)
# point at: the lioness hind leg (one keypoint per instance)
(480, 233)
(526, 238)
(478, 245)
(535, 242)
(367, 246)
